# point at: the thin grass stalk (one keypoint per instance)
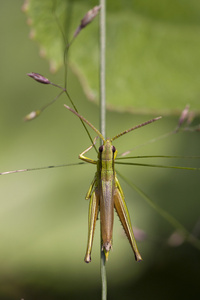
(103, 67)
(102, 106)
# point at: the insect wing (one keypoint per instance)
(107, 215)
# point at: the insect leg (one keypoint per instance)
(92, 217)
(122, 211)
(89, 193)
(89, 160)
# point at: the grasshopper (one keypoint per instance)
(105, 193)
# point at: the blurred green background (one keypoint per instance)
(43, 214)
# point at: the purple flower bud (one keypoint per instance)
(90, 15)
(39, 78)
(184, 115)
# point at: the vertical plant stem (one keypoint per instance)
(103, 277)
(103, 67)
(102, 78)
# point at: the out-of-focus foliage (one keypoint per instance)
(153, 47)
(43, 215)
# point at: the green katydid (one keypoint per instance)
(105, 193)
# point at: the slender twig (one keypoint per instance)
(103, 118)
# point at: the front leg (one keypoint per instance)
(89, 160)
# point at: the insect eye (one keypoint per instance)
(113, 149)
(101, 148)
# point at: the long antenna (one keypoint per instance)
(86, 121)
(135, 127)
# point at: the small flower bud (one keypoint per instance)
(32, 115)
(184, 115)
(39, 78)
(90, 15)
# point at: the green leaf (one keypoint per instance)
(153, 59)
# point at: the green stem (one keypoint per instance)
(103, 277)
(103, 118)
(102, 68)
